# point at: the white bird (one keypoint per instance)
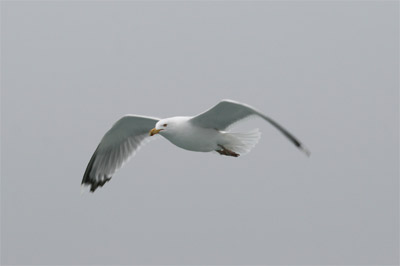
(202, 133)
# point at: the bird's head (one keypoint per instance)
(168, 126)
(161, 125)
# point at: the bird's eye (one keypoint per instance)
(165, 125)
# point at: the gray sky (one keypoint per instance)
(328, 71)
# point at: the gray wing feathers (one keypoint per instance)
(116, 147)
(227, 112)
(111, 158)
(223, 115)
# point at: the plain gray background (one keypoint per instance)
(328, 71)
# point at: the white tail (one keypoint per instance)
(241, 143)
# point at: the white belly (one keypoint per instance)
(194, 138)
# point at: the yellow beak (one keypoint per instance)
(154, 131)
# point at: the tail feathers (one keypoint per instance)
(242, 143)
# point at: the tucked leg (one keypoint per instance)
(227, 152)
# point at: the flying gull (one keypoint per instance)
(205, 132)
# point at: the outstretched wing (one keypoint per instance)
(228, 112)
(117, 145)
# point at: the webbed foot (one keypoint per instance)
(227, 152)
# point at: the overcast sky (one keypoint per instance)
(327, 71)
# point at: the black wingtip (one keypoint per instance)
(305, 150)
(93, 182)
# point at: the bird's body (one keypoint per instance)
(181, 133)
(188, 136)
(202, 133)
(191, 137)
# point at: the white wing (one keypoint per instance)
(228, 112)
(117, 145)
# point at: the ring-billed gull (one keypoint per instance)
(202, 133)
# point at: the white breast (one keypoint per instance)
(190, 137)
